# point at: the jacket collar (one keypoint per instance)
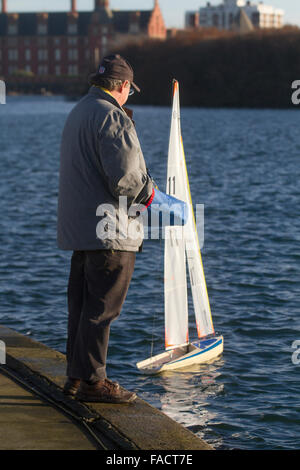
(105, 96)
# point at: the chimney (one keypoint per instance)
(4, 6)
(74, 6)
(101, 4)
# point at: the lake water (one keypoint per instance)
(244, 166)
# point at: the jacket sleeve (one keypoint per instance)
(122, 159)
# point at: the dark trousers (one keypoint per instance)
(98, 285)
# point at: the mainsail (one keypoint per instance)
(176, 306)
(175, 285)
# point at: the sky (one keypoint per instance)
(173, 10)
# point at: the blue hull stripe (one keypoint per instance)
(201, 352)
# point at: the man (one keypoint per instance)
(101, 161)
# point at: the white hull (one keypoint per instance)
(198, 352)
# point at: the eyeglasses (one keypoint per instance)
(131, 89)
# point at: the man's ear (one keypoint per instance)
(120, 89)
(125, 85)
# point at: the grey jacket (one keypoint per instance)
(101, 160)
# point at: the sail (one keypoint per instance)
(175, 285)
(176, 302)
(178, 186)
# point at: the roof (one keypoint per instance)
(121, 20)
(57, 22)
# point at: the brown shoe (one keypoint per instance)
(71, 386)
(104, 391)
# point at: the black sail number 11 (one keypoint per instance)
(171, 183)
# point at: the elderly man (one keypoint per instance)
(101, 161)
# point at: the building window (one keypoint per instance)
(27, 68)
(255, 19)
(57, 70)
(72, 28)
(57, 41)
(216, 20)
(57, 54)
(13, 54)
(42, 29)
(42, 54)
(26, 42)
(87, 54)
(96, 55)
(27, 54)
(73, 54)
(42, 70)
(72, 70)
(12, 69)
(12, 29)
(104, 45)
(72, 41)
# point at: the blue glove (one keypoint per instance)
(166, 210)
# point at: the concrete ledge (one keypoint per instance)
(30, 423)
(131, 427)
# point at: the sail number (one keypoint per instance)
(171, 183)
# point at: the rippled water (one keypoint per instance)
(244, 165)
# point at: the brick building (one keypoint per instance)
(70, 43)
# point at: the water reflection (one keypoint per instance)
(186, 396)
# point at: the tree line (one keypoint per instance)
(219, 69)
